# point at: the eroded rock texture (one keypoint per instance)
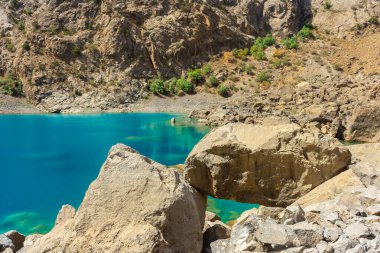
(135, 205)
(269, 164)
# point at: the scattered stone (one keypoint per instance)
(324, 247)
(269, 212)
(343, 244)
(332, 234)
(211, 217)
(357, 230)
(292, 214)
(216, 230)
(308, 235)
(270, 232)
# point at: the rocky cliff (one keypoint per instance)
(98, 55)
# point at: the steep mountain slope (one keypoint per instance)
(98, 55)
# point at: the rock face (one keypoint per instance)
(98, 55)
(135, 205)
(270, 164)
(346, 14)
(92, 55)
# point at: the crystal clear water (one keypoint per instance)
(50, 160)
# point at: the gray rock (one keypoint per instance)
(330, 216)
(270, 232)
(356, 249)
(5, 243)
(332, 234)
(324, 247)
(216, 230)
(308, 235)
(292, 214)
(343, 244)
(219, 246)
(269, 212)
(311, 250)
(373, 210)
(357, 230)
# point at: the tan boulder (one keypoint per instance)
(135, 205)
(268, 164)
(364, 172)
(330, 189)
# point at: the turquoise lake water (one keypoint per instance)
(50, 160)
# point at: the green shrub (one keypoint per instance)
(258, 53)
(184, 85)
(373, 20)
(305, 33)
(247, 68)
(9, 45)
(11, 85)
(268, 40)
(213, 81)
(206, 70)
(157, 86)
(76, 50)
(263, 77)
(53, 30)
(89, 25)
(258, 49)
(91, 47)
(265, 42)
(240, 53)
(13, 4)
(26, 46)
(35, 25)
(172, 86)
(21, 25)
(290, 43)
(327, 4)
(338, 67)
(223, 91)
(68, 31)
(195, 75)
(280, 63)
(28, 11)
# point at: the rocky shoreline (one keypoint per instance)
(138, 205)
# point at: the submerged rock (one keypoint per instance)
(135, 205)
(270, 164)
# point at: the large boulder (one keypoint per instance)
(135, 205)
(270, 164)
